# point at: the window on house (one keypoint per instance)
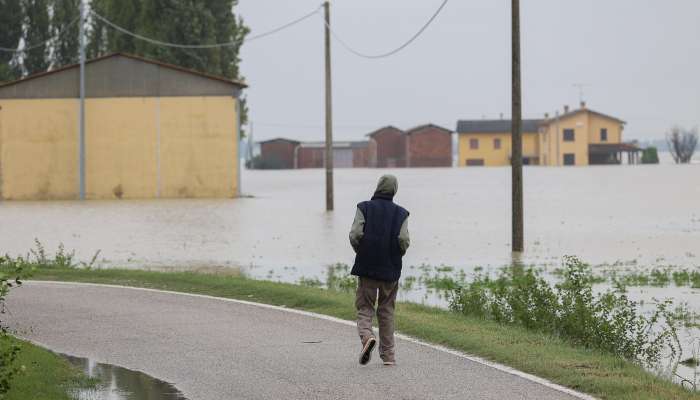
(603, 135)
(496, 143)
(473, 144)
(569, 135)
(475, 162)
(569, 159)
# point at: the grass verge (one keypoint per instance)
(593, 372)
(45, 375)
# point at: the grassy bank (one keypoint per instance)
(45, 376)
(593, 372)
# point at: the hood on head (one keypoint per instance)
(388, 185)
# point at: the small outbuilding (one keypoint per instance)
(429, 146)
(278, 153)
(152, 130)
(387, 147)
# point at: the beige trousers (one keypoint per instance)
(369, 292)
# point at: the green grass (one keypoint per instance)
(601, 375)
(46, 376)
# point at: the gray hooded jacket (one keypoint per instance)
(388, 185)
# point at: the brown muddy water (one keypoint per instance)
(118, 383)
(633, 216)
(460, 217)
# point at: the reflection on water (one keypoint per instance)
(118, 383)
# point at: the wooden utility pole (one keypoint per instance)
(516, 135)
(329, 109)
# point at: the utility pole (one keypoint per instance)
(81, 138)
(329, 115)
(516, 135)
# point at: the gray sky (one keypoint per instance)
(640, 58)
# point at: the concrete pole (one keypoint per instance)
(516, 136)
(329, 109)
(558, 137)
(81, 138)
(239, 110)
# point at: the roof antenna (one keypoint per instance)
(580, 87)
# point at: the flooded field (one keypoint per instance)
(632, 218)
(460, 217)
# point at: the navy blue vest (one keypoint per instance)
(379, 254)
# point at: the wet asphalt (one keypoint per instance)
(212, 349)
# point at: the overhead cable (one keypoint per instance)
(202, 46)
(44, 43)
(396, 50)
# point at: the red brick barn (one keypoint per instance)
(387, 147)
(429, 146)
(277, 153)
(360, 154)
(310, 155)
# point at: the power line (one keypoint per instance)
(44, 43)
(396, 50)
(202, 46)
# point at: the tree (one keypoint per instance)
(188, 22)
(650, 155)
(682, 144)
(96, 40)
(10, 35)
(37, 30)
(230, 28)
(125, 13)
(191, 22)
(66, 43)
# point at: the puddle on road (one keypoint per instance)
(117, 383)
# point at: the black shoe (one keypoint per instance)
(366, 353)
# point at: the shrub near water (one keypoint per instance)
(609, 321)
(12, 271)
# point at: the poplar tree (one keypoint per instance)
(10, 35)
(37, 30)
(125, 13)
(66, 43)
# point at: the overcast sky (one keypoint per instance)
(640, 60)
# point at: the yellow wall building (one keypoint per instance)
(152, 130)
(578, 137)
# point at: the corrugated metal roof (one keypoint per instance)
(133, 57)
(607, 148)
(495, 125)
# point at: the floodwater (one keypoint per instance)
(118, 383)
(460, 217)
(639, 216)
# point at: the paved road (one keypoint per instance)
(213, 349)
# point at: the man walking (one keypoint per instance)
(379, 236)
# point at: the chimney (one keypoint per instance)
(566, 108)
(583, 105)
